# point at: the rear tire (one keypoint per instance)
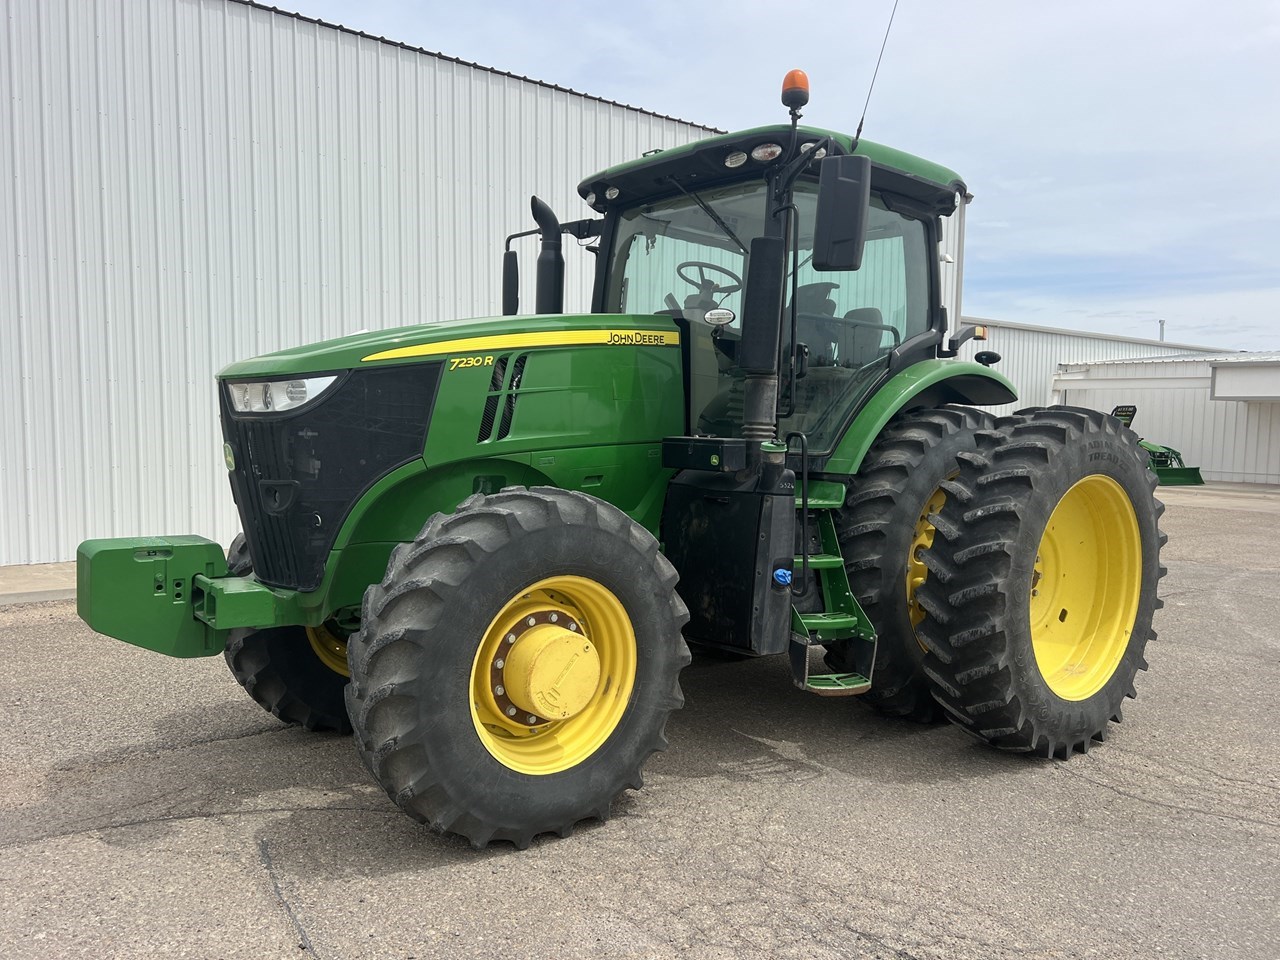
(280, 667)
(1042, 581)
(879, 528)
(430, 699)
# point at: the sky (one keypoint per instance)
(1124, 157)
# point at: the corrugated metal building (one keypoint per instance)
(1222, 412)
(1030, 355)
(190, 182)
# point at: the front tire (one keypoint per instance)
(1043, 580)
(472, 705)
(297, 674)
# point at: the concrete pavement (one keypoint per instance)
(149, 809)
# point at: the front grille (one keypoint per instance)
(297, 475)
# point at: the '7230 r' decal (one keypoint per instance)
(461, 363)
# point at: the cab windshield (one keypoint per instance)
(687, 254)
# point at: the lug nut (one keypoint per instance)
(573, 626)
(555, 617)
(532, 621)
(499, 663)
(511, 711)
(499, 689)
(532, 718)
(511, 638)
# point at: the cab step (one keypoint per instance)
(826, 627)
(820, 561)
(822, 684)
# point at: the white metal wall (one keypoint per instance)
(1226, 439)
(1030, 355)
(184, 183)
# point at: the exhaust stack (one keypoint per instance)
(550, 271)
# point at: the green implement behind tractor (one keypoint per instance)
(484, 547)
(1165, 462)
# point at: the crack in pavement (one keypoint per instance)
(1168, 806)
(177, 818)
(304, 941)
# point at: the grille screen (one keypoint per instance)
(298, 475)
(503, 393)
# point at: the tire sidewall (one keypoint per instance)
(1093, 454)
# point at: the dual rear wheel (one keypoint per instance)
(1010, 567)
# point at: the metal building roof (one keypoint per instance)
(1214, 359)
(1093, 335)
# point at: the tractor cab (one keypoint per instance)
(677, 239)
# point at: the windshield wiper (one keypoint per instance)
(706, 208)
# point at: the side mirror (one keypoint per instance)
(844, 205)
(510, 284)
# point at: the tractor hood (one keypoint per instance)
(453, 338)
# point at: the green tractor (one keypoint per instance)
(485, 546)
(1165, 462)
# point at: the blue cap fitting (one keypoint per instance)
(782, 577)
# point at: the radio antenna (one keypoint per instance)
(858, 135)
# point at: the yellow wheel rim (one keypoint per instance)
(330, 648)
(917, 573)
(553, 675)
(1085, 587)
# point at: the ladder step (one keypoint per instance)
(823, 684)
(823, 495)
(824, 627)
(837, 684)
(820, 561)
(818, 502)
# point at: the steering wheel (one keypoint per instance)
(703, 284)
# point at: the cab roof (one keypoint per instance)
(702, 162)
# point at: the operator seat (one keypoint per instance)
(815, 320)
(863, 339)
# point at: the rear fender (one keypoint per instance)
(929, 383)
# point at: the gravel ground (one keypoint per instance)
(149, 808)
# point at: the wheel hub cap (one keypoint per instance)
(551, 672)
(553, 675)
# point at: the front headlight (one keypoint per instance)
(275, 396)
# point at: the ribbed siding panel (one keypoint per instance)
(1030, 358)
(1226, 439)
(184, 183)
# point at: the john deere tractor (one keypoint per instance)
(485, 546)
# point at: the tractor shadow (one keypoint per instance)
(309, 798)
(745, 720)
